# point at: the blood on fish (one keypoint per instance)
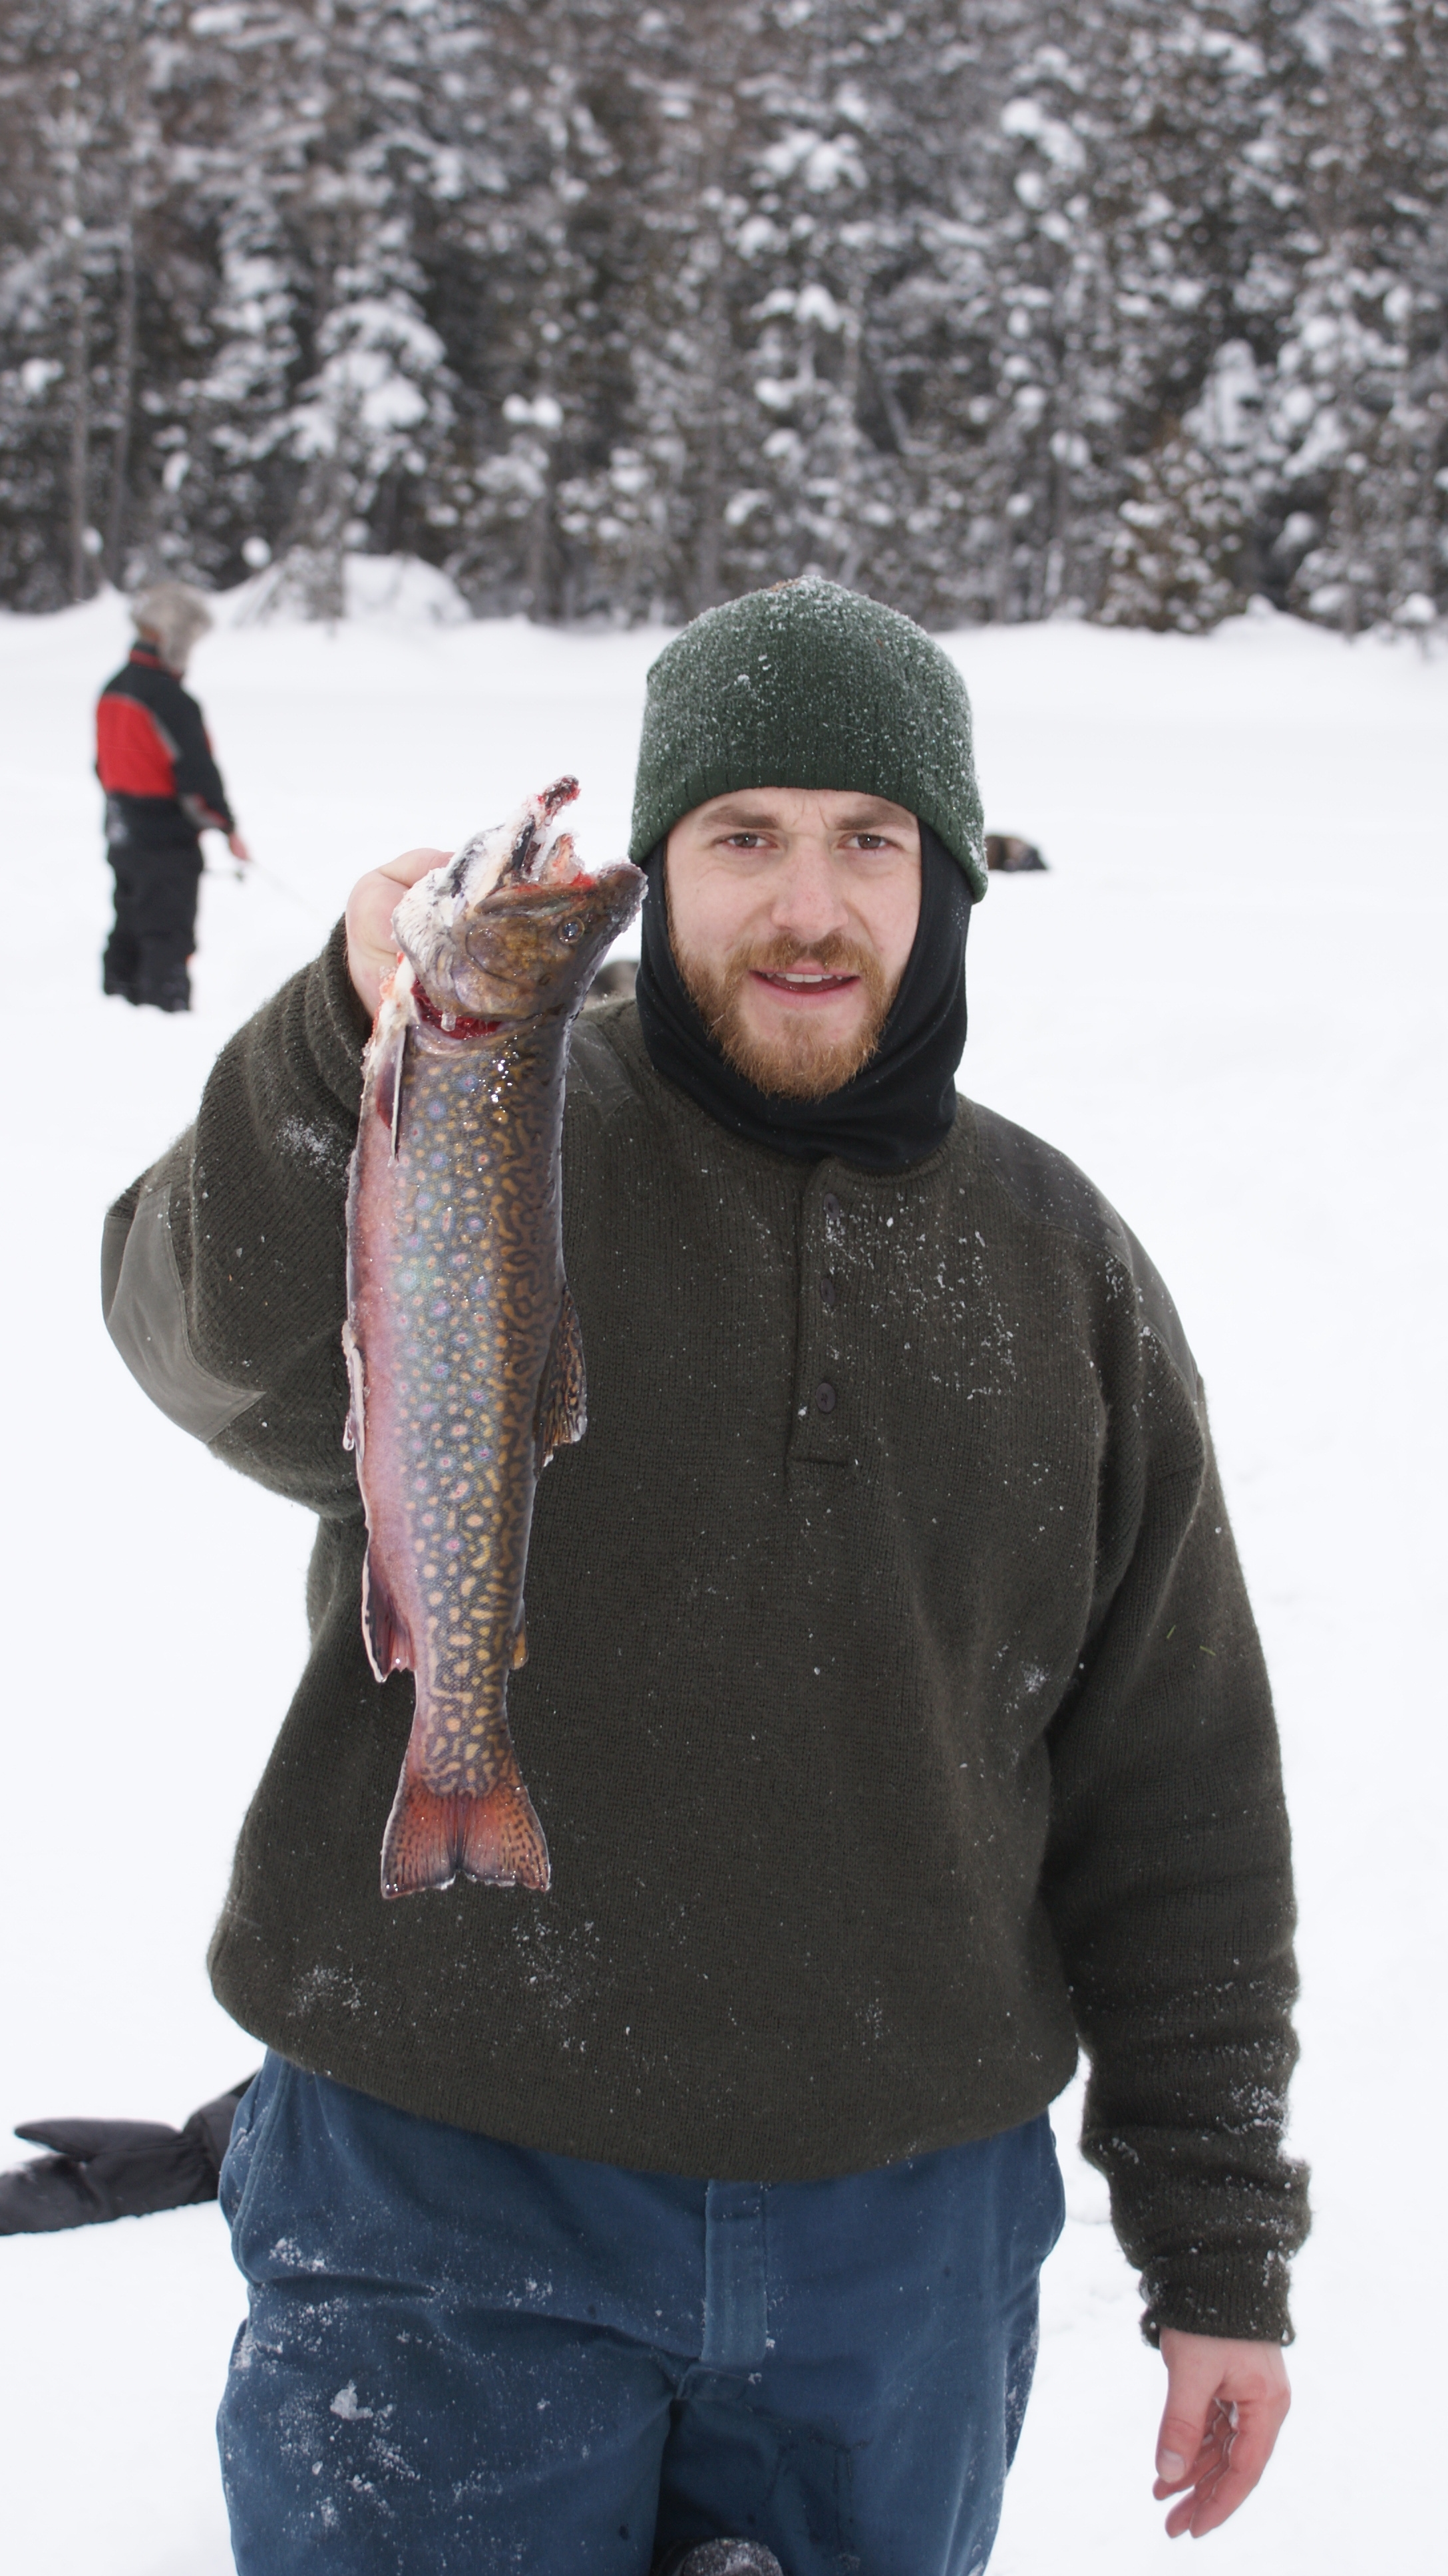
(453, 1024)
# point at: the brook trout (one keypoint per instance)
(462, 1341)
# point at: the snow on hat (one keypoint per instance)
(175, 614)
(809, 685)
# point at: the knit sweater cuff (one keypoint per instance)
(337, 1025)
(1238, 2293)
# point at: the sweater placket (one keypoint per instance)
(824, 1429)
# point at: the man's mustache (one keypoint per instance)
(835, 954)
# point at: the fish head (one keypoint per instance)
(536, 948)
(511, 926)
(521, 949)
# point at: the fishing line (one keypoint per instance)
(240, 871)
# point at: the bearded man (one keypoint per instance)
(894, 1710)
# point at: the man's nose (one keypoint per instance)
(807, 901)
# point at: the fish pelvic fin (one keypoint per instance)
(384, 1630)
(520, 1648)
(497, 1839)
(563, 1400)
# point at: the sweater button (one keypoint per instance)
(825, 1396)
(828, 1290)
(830, 1204)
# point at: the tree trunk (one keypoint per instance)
(711, 459)
(79, 459)
(125, 360)
(78, 406)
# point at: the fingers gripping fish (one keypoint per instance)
(462, 1341)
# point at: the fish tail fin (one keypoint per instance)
(422, 1846)
(502, 1839)
(497, 1839)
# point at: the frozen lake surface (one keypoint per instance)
(1224, 1000)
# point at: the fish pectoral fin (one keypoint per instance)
(563, 1401)
(387, 1095)
(384, 1630)
(496, 1839)
(520, 1648)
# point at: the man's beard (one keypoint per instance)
(800, 1063)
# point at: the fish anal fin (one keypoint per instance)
(520, 1648)
(496, 1840)
(503, 1841)
(384, 1630)
(563, 1403)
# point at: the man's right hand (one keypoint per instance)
(371, 948)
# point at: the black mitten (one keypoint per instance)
(100, 2169)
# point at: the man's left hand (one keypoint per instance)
(1225, 2404)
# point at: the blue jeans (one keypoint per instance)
(464, 2357)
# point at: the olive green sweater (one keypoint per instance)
(893, 1709)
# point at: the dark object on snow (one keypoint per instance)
(719, 2558)
(100, 2169)
(614, 982)
(1013, 856)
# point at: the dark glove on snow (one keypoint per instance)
(102, 2169)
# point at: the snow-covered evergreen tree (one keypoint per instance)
(1176, 560)
(996, 310)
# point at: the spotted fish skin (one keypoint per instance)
(463, 1344)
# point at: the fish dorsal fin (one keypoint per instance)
(563, 1400)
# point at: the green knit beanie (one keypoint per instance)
(809, 685)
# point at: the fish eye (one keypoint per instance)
(568, 930)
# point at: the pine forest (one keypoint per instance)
(1128, 310)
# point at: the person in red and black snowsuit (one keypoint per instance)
(163, 790)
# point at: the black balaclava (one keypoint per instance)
(899, 1108)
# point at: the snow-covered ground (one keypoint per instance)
(1221, 1001)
